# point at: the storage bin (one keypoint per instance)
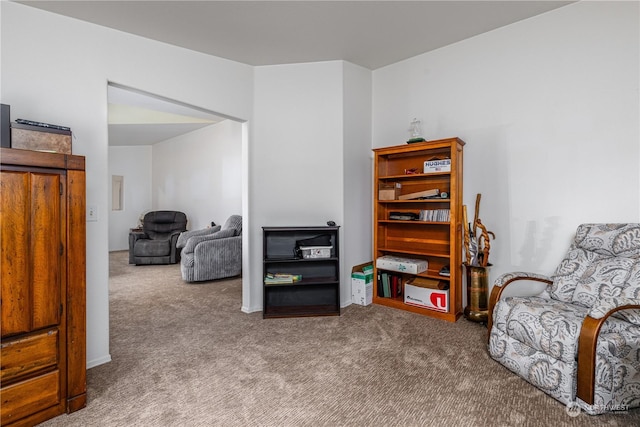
(316, 251)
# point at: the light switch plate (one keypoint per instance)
(92, 213)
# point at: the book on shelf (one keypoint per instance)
(281, 278)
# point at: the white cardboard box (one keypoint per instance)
(362, 284)
(434, 299)
(403, 265)
(443, 165)
(316, 251)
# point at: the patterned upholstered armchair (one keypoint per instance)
(213, 253)
(156, 243)
(579, 340)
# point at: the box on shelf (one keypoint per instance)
(389, 191)
(437, 165)
(403, 265)
(316, 251)
(420, 194)
(39, 138)
(426, 297)
(362, 284)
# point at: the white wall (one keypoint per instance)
(134, 165)
(357, 171)
(65, 82)
(200, 174)
(549, 110)
(296, 164)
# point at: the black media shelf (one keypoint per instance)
(318, 293)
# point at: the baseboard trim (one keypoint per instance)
(97, 362)
(250, 310)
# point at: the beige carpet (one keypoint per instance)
(185, 355)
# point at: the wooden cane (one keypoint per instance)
(486, 246)
(476, 215)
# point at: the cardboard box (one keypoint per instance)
(441, 165)
(389, 191)
(362, 284)
(316, 251)
(403, 265)
(434, 299)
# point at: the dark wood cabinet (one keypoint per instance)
(42, 235)
(318, 291)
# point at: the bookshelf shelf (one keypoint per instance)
(437, 242)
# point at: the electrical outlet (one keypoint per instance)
(92, 213)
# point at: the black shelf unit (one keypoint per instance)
(318, 293)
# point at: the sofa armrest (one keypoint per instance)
(186, 235)
(607, 306)
(508, 278)
(175, 251)
(588, 340)
(195, 240)
(501, 283)
(218, 258)
(134, 236)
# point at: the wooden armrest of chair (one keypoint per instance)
(587, 343)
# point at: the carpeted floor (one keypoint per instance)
(185, 355)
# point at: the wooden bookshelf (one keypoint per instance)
(437, 242)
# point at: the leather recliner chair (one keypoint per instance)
(156, 243)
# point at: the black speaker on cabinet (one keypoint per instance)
(5, 126)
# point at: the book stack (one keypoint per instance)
(389, 285)
(281, 278)
(435, 215)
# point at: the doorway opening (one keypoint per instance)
(173, 156)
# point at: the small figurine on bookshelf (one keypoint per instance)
(416, 132)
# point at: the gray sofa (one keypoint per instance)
(212, 253)
(156, 243)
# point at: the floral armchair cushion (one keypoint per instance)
(602, 262)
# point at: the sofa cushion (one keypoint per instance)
(234, 222)
(603, 261)
(147, 247)
(549, 326)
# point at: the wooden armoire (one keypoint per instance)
(43, 273)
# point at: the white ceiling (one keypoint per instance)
(372, 34)
(139, 118)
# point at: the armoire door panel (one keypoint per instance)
(45, 249)
(14, 242)
(27, 354)
(30, 396)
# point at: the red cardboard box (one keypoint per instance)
(434, 299)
